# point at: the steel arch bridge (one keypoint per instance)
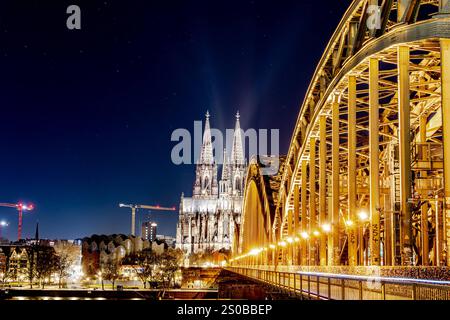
(366, 180)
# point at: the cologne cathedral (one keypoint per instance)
(209, 219)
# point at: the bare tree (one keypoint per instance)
(31, 265)
(169, 264)
(110, 271)
(46, 262)
(146, 261)
(63, 263)
(67, 255)
(6, 273)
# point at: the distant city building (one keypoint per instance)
(170, 241)
(98, 250)
(208, 221)
(2, 261)
(149, 230)
(17, 258)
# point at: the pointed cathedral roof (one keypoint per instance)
(206, 156)
(225, 171)
(237, 152)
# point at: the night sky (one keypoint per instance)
(87, 115)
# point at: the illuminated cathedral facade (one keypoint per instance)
(209, 219)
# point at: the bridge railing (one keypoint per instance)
(326, 286)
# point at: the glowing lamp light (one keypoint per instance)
(282, 243)
(326, 227)
(363, 215)
(3, 223)
(290, 240)
(297, 239)
(316, 233)
(349, 223)
(272, 246)
(304, 235)
(26, 207)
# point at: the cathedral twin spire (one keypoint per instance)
(206, 173)
(206, 156)
(237, 152)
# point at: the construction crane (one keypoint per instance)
(20, 207)
(134, 207)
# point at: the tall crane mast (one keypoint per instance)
(135, 207)
(20, 207)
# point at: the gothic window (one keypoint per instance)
(226, 224)
(206, 183)
(237, 184)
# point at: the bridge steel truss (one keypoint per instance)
(366, 181)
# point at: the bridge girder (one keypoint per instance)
(346, 65)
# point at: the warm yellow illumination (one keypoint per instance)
(282, 243)
(316, 233)
(326, 227)
(349, 223)
(272, 246)
(363, 215)
(305, 235)
(297, 239)
(290, 240)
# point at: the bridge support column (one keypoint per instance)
(323, 187)
(352, 232)
(374, 123)
(290, 248)
(445, 78)
(296, 220)
(312, 202)
(304, 241)
(335, 232)
(424, 209)
(404, 110)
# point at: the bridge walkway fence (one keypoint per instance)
(325, 286)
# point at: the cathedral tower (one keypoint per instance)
(208, 220)
(206, 172)
(237, 165)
